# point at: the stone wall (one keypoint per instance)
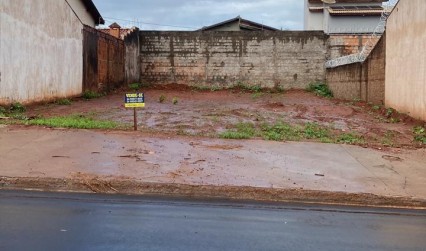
(364, 81)
(288, 59)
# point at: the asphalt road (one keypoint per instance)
(54, 221)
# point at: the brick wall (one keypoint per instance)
(288, 59)
(103, 60)
(343, 45)
(364, 81)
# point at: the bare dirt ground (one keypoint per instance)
(208, 113)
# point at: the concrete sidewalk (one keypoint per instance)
(39, 154)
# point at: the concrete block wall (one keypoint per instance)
(364, 81)
(343, 44)
(285, 58)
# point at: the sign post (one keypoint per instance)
(134, 100)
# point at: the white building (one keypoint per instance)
(343, 16)
(41, 48)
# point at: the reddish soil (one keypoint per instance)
(206, 113)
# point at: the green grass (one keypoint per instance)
(63, 101)
(162, 98)
(420, 134)
(175, 101)
(74, 121)
(17, 108)
(91, 95)
(281, 131)
(241, 131)
(320, 89)
(349, 138)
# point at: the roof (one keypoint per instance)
(356, 10)
(351, 1)
(91, 8)
(123, 31)
(114, 26)
(243, 23)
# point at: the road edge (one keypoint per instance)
(133, 187)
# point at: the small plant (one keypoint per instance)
(420, 134)
(389, 112)
(320, 89)
(256, 95)
(162, 98)
(135, 86)
(349, 138)
(17, 108)
(175, 101)
(91, 95)
(376, 107)
(315, 131)
(63, 101)
(2, 111)
(242, 131)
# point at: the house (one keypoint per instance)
(343, 16)
(41, 48)
(238, 24)
(349, 23)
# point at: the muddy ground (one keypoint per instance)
(186, 111)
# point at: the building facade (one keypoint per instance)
(343, 16)
(41, 48)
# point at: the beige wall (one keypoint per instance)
(406, 58)
(40, 51)
(82, 13)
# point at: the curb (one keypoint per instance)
(132, 187)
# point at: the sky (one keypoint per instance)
(194, 14)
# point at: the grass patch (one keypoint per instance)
(74, 121)
(349, 138)
(91, 95)
(420, 134)
(281, 131)
(162, 98)
(320, 89)
(241, 131)
(175, 101)
(17, 108)
(63, 101)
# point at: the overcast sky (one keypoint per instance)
(194, 14)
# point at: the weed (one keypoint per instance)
(17, 108)
(376, 107)
(162, 98)
(242, 131)
(388, 139)
(420, 134)
(315, 131)
(349, 138)
(91, 95)
(135, 86)
(175, 101)
(74, 121)
(389, 112)
(256, 95)
(2, 111)
(281, 131)
(63, 101)
(320, 89)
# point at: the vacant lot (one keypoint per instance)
(240, 113)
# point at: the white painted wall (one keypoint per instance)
(40, 51)
(405, 86)
(82, 13)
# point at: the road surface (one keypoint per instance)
(59, 221)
